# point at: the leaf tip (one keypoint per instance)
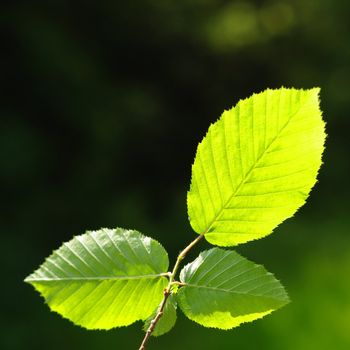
(315, 93)
(30, 279)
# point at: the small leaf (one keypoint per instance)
(223, 289)
(256, 166)
(167, 321)
(104, 279)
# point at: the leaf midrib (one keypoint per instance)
(232, 291)
(95, 278)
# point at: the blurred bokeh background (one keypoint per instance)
(102, 106)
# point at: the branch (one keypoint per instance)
(156, 319)
(167, 292)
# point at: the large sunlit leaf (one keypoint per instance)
(168, 319)
(222, 290)
(256, 166)
(104, 279)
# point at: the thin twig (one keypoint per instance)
(167, 292)
(155, 320)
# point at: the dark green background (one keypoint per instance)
(103, 105)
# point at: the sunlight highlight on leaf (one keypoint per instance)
(256, 166)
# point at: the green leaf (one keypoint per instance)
(256, 166)
(104, 279)
(222, 290)
(168, 319)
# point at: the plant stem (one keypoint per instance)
(167, 292)
(155, 320)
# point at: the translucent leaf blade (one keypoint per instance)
(168, 319)
(104, 279)
(256, 166)
(222, 290)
